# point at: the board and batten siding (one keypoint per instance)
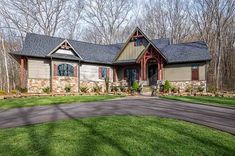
(90, 72)
(183, 72)
(131, 52)
(38, 68)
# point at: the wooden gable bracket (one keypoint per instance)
(65, 45)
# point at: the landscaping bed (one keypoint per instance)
(212, 100)
(116, 135)
(45, 99)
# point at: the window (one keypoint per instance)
(138, 42)
(65, 70)
(103, 72)
(195, 72)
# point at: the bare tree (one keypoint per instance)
(107, 18)
(5, 57)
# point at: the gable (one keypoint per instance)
(64, 48)
(134, 46)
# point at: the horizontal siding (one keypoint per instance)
(182, 72)
(90, 72)
(38, 68)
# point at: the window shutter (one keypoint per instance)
(134, 43)
(99, 72)
(75, 71)
(108, 73)
(55, 70)
(195, 74)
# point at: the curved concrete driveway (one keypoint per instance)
(216, 117)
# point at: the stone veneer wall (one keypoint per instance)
(60, 82)
(91, 84)
(36, 85)
(184, 84)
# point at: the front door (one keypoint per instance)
(152, 74)
(131, 75)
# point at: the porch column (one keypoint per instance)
(160, 68)
(143, 67)
(22, 62)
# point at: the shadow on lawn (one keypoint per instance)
(43, 146)
(38, 146)
(94, 132)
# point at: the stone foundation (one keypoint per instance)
(36, 85)
(91, 84)
(183, 85)
(60, 82)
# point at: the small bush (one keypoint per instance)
(84, 89)
(107, 84)
(23, 90)
(200, 89)
(14, 91)
(189, 89)
(167, 86)
(211, 89)
(174, 89)
(123, 89)
(114, 89)
(46, 90)
(97, 89)
(2, 92)
(68, 89)
(135, 86)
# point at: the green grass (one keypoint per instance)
(126, 135)
(204, 100)
(40, 101)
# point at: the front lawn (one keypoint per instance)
(116, 135)
(204, 100)
(40, 101)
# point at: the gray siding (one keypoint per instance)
(38, 68)
(183, 72)
(90, 72)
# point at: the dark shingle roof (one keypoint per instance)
(186, 52)
(161, 42)
(41, 45)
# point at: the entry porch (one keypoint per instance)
(147, 69)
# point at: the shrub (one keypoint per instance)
(23, 90)
(174, 89)
(2, 92)
(97, 89)
(107, 84)
(114, 88)
(211, 89)
(123, 89)
(189, 89)
(84, 89)
(167, 86)
(68, 88)
(200, 89)
(46, 90)
(14, 91)
(135, 86)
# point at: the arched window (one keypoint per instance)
(65, 70)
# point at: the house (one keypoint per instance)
(56, 62)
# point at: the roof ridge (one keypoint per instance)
(72, 39)
(189, 42)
